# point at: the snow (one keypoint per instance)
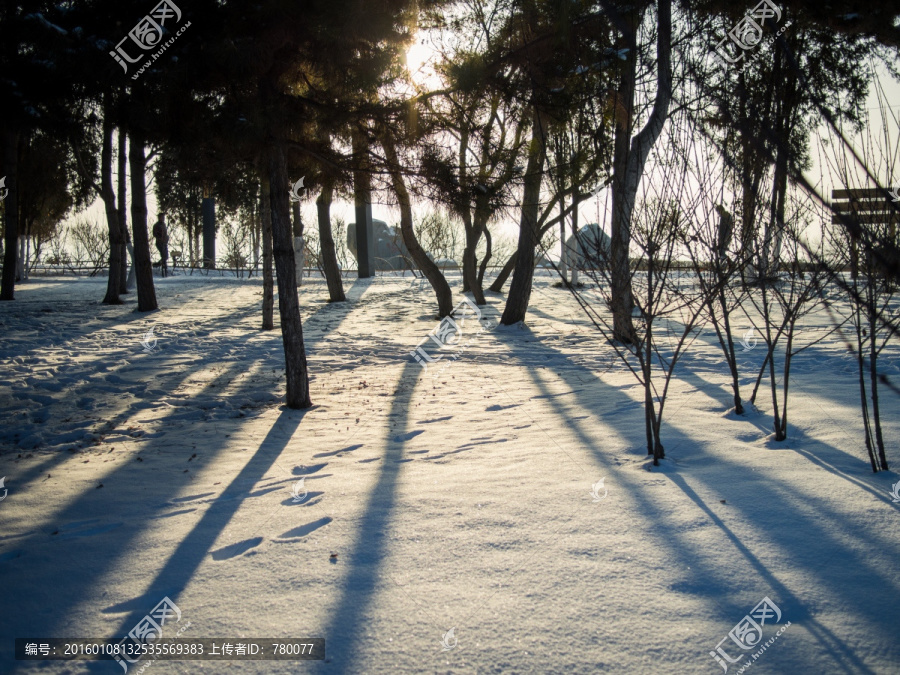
(466, 501)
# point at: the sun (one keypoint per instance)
(420, 62)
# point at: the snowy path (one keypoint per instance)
(462, 501)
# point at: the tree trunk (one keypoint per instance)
(520, 288)
(781, 170)
(362, 198)
(143, 266)
(781, 430)
(11, 213)
(470, 270)
(108, 196)
(508, 268)
(123, 217)
(326, 245)
(297, 376)
(26, 258)
(748, 184)
(729, 344)
(472, 231)
(299, 247)
(577, 256)
(468, 256)
(20, 257)
(208, 210)
(873, 316)
(189, 224)
(487, 256)
(198, 216)
(753, 167)
(423, 262)
(268, 305)
(256, 233)
(629, 167)
(622, 300)
(563, 270)
(861, 369)
(296, 221)
(575, 229)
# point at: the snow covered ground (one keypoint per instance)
(470, 501)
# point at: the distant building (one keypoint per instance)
(590, 249)
(390, 251)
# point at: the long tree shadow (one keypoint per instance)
(347, 622)
(127, 508)
(682, 550)
(695, 374)
(169, 377)
(193, 549)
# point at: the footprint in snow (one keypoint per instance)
(304, 530)
(307, 470)
(174, 513)
(90, 531)
(402, 438)
(190, 498)
(308, 500)
(437, 419)
(263, 491)
(11, 555)
(234, 550)
(349, 448)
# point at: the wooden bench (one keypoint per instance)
(872, 209)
